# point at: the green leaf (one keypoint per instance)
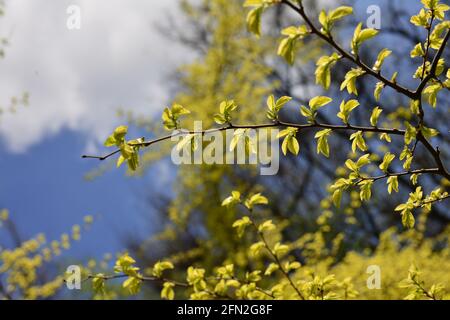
(387, 159)
(428, 132)
(178, 110)
(336, 197)
(225, 109)
(255, 200)
(170, 116)
(323, 70)
(275, 106)
(431, 92)
(304, 111)
(322, 142)
(98, 283)
(417, 51)
(187, 139)
(290, 142)
(318, 102)
(363, 160)
(392, 183)
(366, 190)
(256, 248)
(266, 226)
(376, 112)
(271, 268)
(133, 284)
(410, 133)
(219, 118)
(110, 141)
(242, 134)
(289, 266)
(327, 20)
(241, 224)
(280, 249)
(233, 199)
(380, 59)
(408, 220)
(254, 20)
(358, 141)
(351, 165)
(414, 177)
(339, 13)
(440, 10)
(360, 35)
(117, 138)
(378, 88)
(286, 49)
(324, 21)
(386, 137)
(346, 108)
(253, 276)
(160, 267)
(350, 80)
(167, 291)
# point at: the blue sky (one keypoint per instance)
(76, 80)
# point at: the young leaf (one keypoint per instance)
(254, 200)
(323, 70)
(408, 220)
(350, 80)
(392, 183)
(366, 190)
(360, 35)
(322, 142)
(167, 291)
(290, 141)
(318, 102)
(375, 115)
(339, 13)
(358, 141)
(254, 20)
(275, 106)
(387, 159)
(378, 88)
(233, 199)
(380, 59)
(345, 109)
(286, 49)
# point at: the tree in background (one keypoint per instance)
(378, 143)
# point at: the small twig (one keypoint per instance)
(399, 174)
(300, 10)
(275, 258)
(256, 126)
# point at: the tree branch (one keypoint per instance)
(434, 65)
(399, 174)
(257, 126)
(300, 10)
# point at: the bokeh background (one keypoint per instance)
(123, 66)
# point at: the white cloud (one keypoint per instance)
(77, 78)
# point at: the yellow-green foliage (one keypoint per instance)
(411, 266)
(21, 267)
(244, 253)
